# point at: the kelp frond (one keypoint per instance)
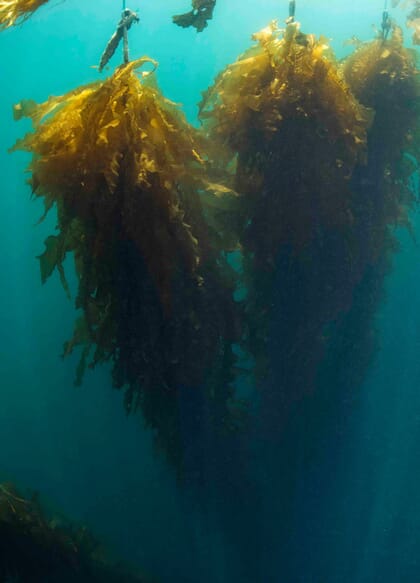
(413, 18)
(35, 547)
(318, 192)
(297, 133)
(125, 172)
(14, 11)
(413, 21)
(384, 76)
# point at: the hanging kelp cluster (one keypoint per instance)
(35, 548)
(299, 138)
(15, 11)
(124, 170)
(297, 133)
(383, 76)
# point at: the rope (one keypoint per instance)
(292, 11)
(386, 22)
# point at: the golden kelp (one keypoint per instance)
(297, 133)
(124, 170)
(14, 11)
(413, 18)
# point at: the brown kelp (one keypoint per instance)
(308, 228)
(15, 11)
(124, 170)
(413, 18)
(36, 547)
(201, 13)
(297, 132)
(413, 21)
(383, 75)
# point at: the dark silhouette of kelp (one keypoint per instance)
(36, 548)
(201, 13)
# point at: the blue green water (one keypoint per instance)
(355, 506)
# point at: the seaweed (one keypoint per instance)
(319, 195)
(36, 547)
(413, 18)
(297, 133)
(383, 75)
(13, 12)
(413, 21)
(198, 17)
(125, 172)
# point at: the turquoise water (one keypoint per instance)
(341, 505)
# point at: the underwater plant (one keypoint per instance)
(413, 18)
(125, 171)
(297, 133)
(413, 21)
(313, 229)
(35, 547)
(15, 11)
(383, 75)
(201, 13)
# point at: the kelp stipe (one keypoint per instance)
(124, 170)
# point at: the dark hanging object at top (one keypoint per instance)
(127, 19)
(202, 12)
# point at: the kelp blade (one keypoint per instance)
(13, 12)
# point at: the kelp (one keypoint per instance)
(413, 18)
(198, 17)
(13, 12)
(125, 172)
(413, 21)
(297, 133)
(383, 75)
(314, 226)
(36, 547)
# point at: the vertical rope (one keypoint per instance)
(292, 10)
(125, 46)
(386, 22)
(125, 36)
